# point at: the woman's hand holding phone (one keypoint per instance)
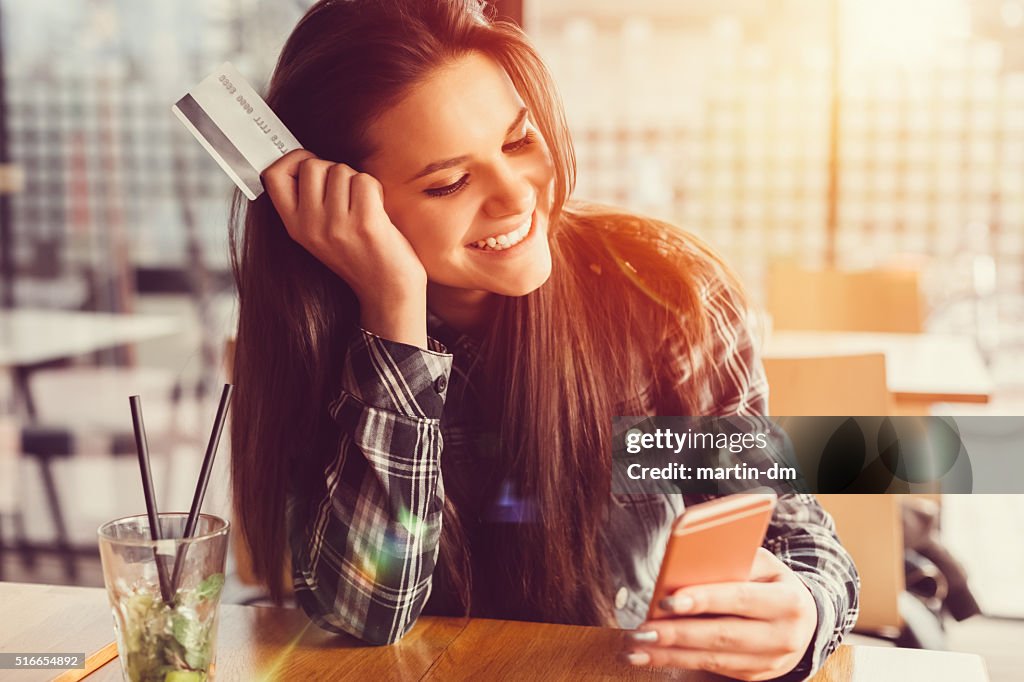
(337, 214)
(758, 629)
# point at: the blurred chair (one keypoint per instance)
(828, 386)
(869, 525)
(84, 411)
(90, 398)
(834, 300)
(871, 529)
(10, 452)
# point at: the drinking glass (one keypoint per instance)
(165, 636)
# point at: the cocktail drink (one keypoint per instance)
(161, 639)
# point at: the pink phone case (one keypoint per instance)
(713, 542)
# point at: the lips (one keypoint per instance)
(504, 240)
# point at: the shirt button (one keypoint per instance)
(620, 598)
(440, 384)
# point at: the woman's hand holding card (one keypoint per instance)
(337, 214)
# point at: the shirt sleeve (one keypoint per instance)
(363, 560)
(801, 533)
(803, 536)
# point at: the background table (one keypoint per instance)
(31, 337)
(921, 368)
(258, 643)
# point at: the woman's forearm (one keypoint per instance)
(363, 563)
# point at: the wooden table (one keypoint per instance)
(258, 643)
(920, 368)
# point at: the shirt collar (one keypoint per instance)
(457, 342)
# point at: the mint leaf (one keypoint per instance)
(210, 588)
(199, 657)
(187, 631)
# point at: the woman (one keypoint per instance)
(432, 342)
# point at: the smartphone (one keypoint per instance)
(713, 542)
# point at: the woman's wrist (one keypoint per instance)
(402, 321)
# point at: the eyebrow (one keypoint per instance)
(449, 163)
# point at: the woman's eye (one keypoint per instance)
(525, 140)
(448, 189)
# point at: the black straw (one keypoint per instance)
(204, 479)
(142, 447)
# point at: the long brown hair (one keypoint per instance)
(557, 361)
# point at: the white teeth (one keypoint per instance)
(507, 240)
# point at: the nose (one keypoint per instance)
(511, 193)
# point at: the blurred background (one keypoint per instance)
(860, 163)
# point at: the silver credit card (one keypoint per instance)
(233, 123)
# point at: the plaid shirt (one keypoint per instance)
(363, 561)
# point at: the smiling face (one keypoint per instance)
(468, 180)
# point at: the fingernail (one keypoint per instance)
(644, 635)
(678, 604)
(636, 658)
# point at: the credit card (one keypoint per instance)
(233, 123)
